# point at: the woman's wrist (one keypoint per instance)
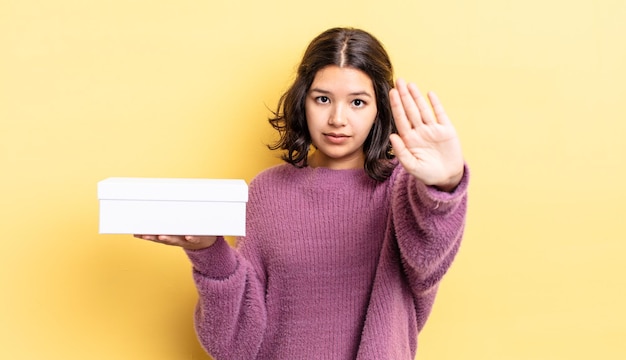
(452, 183)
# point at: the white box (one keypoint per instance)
(160, 206)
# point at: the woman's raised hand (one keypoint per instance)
(426, 143)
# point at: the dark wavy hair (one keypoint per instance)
(343, 47)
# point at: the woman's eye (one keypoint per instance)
(358, 102)
(323, 99)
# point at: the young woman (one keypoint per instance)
(348, 241)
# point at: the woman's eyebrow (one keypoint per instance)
(356, 93)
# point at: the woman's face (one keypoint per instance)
(340, 110)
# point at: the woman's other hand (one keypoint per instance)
(188, 242)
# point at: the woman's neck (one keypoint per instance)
(319, 159)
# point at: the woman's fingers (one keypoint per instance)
(409, 97)
(411, 109)
(164, 239)
(402, 122)
(440, 113)
(425, 111)
(186, 241)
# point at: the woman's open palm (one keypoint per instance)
(426, 143)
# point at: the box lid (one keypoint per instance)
(170, 189)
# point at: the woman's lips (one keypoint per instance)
(336, 138)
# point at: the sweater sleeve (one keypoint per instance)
(230, 315)
(429, 227)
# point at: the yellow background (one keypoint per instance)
(92, 89)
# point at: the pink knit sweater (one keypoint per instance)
(335, 265)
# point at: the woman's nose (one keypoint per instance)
(337, 116)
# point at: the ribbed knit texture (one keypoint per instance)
(335, 265)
